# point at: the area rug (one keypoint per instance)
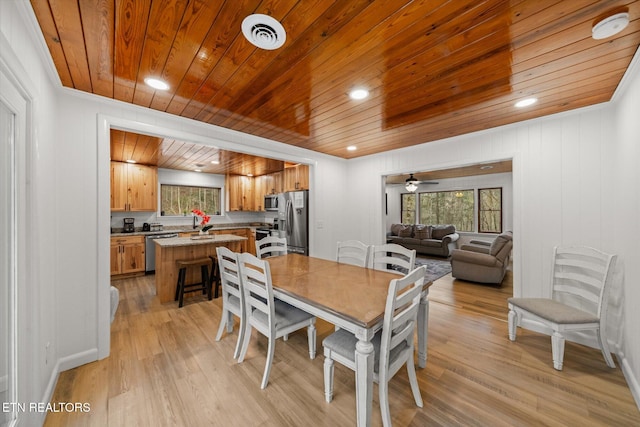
(436, 268)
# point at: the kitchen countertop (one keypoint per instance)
(188, 229)
(198, 240)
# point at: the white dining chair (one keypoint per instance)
(580, 278)
(232, 295)
(393, 345)
(393, 258)
(271, 317)
(271, 246)
(353, 252)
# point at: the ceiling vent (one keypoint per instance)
(263, 31)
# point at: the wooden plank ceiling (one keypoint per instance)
(434, 69)
(183, 155)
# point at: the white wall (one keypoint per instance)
(38, 293)
(624, 214)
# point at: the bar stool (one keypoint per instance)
(215, 275)
(182, 287)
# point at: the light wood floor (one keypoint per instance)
(166, 368)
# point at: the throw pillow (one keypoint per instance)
(405, 231)
(395, 228)
(422, 231)
(438, 232)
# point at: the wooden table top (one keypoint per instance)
(355, 293)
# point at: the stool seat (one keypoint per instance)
(205, 285)
(198, 262)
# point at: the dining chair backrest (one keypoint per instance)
(271, 246)
(256, 283)
(232, 295)
(393, 258)
(400, 320)
(353, 252)
(229, 274)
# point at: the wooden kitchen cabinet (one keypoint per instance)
(296, 178)
(127, 255)
(240, 193)
(273, 183)
(133, 187)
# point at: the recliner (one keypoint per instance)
(482, 264)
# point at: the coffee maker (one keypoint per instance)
(128, 226)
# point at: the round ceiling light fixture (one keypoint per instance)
(526, 102)
(156, 83)
(359, 93)
(263, 31)
(610, 26)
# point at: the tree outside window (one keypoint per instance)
(181, 200)
(448, 207)
(408, 208)
(490, 210)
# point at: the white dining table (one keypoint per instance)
(350, 297)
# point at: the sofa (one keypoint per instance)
(437, 240)
(481, 262)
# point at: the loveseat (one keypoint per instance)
(437, 240)
(483, 263)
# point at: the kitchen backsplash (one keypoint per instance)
(151, 217)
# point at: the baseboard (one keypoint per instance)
(632, 381)
(78, 359)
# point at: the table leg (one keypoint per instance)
(364, 382)
(423, 322)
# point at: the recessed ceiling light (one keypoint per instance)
(526, 102)
(352, 148)
(215, 162)
(610, 26)
(131, 161)
(249, 174)
(359, 93)
(197, 170)
(156, 83)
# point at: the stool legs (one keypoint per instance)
(204, 285)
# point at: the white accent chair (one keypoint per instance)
(232, 295)
(272, 318)
(393, 258)
(271, 246)
(393, 345)
(353, 252)
(580, 278)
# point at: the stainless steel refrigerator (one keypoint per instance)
(293, 220)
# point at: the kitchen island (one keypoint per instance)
(180, 248)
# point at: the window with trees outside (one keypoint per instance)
(408, 208)
(448, 207)
(179, 200)
(490, 210)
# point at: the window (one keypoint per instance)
(490, 210)
(181, 199)
(408, 208)
(448, 207)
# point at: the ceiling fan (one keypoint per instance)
(411, 183)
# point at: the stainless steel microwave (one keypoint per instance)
(271, 202)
